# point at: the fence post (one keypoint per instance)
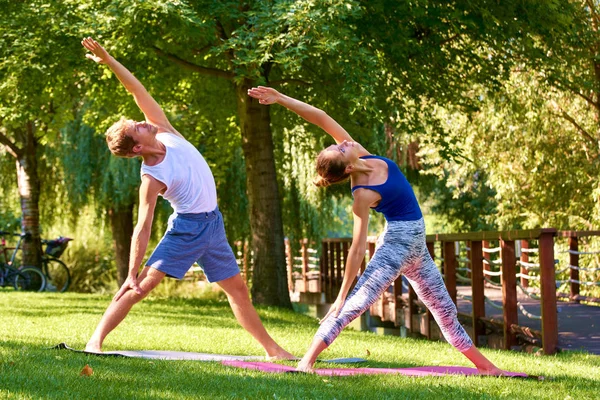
(509, 291)
(477, 287)
(371, 249)
(525, 259)
(397, 292)
(450, 269)
(411, 311)
(548, 289)
(341, 262)
(290, 264)
(325, 277)
(303, 243)
(428, 316)
(574, 272)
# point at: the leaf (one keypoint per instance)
(87, 371)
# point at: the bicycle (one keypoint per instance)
(57, 273)
(24, 278)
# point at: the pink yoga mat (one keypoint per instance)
(416, 371)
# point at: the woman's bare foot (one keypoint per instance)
(306, 367)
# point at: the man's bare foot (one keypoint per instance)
(93, 348)
(281, 354)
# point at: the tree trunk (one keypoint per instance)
(269, 282)
(29, 192)
(121, 223)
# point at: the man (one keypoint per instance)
(173, 168)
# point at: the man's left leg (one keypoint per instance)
(239, 299)
(118, 309)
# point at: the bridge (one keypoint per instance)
(529, 289)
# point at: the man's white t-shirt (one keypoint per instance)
(190, 183)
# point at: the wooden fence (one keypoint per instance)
(515, 250)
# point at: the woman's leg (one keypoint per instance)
(381, 271)
(376, 278)
(428, 284)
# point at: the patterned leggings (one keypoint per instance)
(401, 250)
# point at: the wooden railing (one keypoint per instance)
(574, 239)
(303, 269)
(515, 250)
(507, 241)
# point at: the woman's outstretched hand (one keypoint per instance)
(335, 309)
(99, 54)
(265, 95)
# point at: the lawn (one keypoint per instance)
(32, 322)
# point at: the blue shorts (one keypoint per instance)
(195, 238)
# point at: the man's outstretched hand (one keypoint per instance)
(131, 283)
(98, 55)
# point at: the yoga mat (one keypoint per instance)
(182, 355)
(162, 355)
(415, 371)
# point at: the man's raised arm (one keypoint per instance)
(151, 109)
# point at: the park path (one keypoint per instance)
(578, 324)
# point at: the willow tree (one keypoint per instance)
(37, 51)
(90, 176)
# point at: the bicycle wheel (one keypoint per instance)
(30, 279)
(57, 274)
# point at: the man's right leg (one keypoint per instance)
(118, 309)
(245, 313)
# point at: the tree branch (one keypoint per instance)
(594, 14)
(203, 50)
(585, 133)
(222, 35)
(450, 39)
(566, 87)
(193, 67)
(281, 82)
(10, 146)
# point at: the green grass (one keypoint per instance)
(31, 322)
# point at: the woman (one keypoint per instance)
(376, 183)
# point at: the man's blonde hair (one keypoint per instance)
(118, 139)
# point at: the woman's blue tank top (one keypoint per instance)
(398, 201)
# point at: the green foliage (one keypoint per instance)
(501, 97)
(38, 40)
(537, 170)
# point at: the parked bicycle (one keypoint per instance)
(56, 272)
(24, 278)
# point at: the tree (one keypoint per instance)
(36, 88)
(534, 140)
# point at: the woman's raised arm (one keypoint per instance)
(314, 115)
